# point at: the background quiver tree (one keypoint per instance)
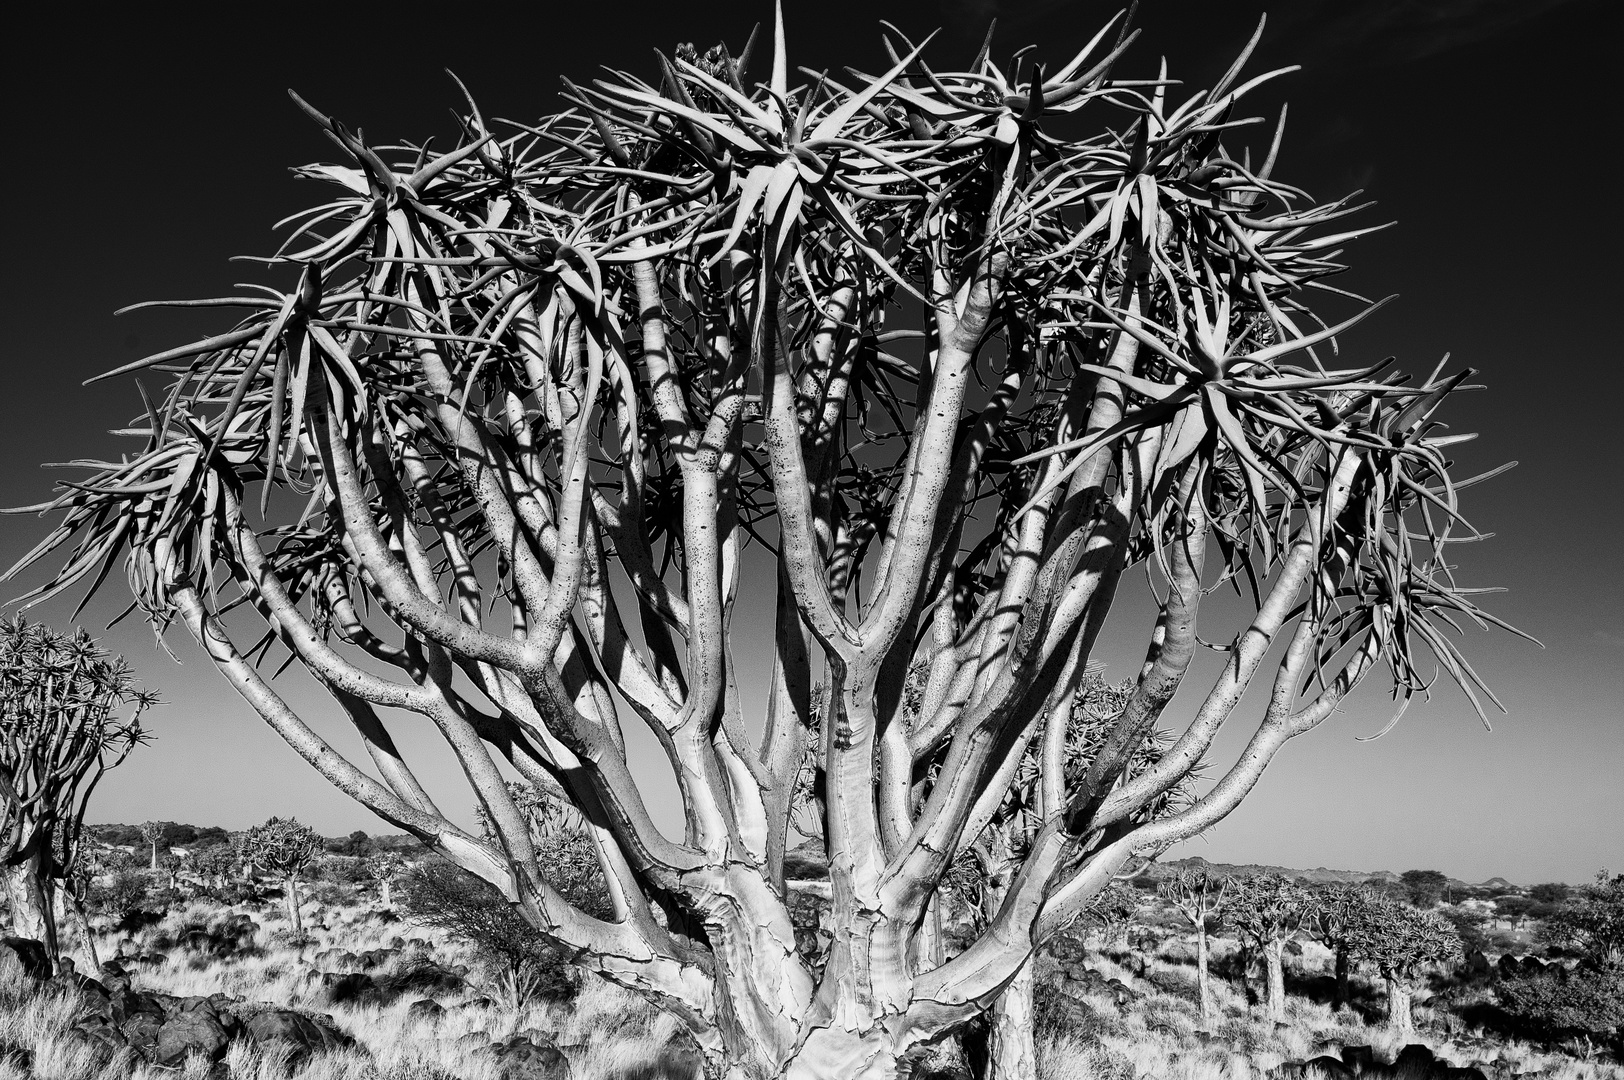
(153, 833)
(1197, 894)
(383, 867)
(1337, 911)
(1399, 942)
(68, 713)
(213, 867)
(1268, 911)
(283, 848)
(961, 348)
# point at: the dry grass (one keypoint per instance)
(609, 1034)
(1159, 1036)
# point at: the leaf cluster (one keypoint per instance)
(1267, 909)
(1399, 939)
(282, 847)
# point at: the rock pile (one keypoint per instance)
(1414, 1062)
(162, 1029)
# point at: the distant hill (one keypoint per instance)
(1319, 875)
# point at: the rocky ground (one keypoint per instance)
(210, 993)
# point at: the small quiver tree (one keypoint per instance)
(1334, 921)
(283, 848)
(1268, 911)
(153, 833)
(964, 346)
(1399, 942)
(1197, 894)
(68, 713)
(383, 867)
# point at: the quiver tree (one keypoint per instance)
(152, 832)
(1334, 921)
(213, 866)
(955, 366)
(1268, 911)
(1399, 941)
(1197, 894)
(284, 849)
(68, 713)
(383, 867)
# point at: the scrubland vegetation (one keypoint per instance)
(447, 980)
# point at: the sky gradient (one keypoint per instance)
(148, 150)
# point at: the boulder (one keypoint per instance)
(340, 987)
(374, 958)
(303, 1035)
(1359, 1058)
(424, 1009)
(197, 1030)
(141, 1031)
(420, 979)
(23, 960)
(100, 1040)
(1326, 1067)
(124, 1004)
(1416, 1062)
(521, 1059)
(101, 1031)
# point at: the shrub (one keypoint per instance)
(1592, 922)
(1589, 1000)
(440, 895)
(124, 898)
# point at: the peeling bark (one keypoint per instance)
(1011, 1038)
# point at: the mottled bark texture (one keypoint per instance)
(962, 367)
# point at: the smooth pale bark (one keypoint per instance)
(1203, 980)
(87, 937)
(1274, 961)
(291, 887)
(1011, 1045)
(1399, 1019)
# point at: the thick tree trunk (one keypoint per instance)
(1011, 1045)
(154, 864)
(1274, 956)
(87, 936)
(1399, 1020)
(833, 1052)
(1244, 958)
(30, 906)
(1203, 981)
(1341, 995)
(383, 892)
(292, 889)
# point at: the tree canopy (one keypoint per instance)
(956, 347)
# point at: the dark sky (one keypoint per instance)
(147, 148)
